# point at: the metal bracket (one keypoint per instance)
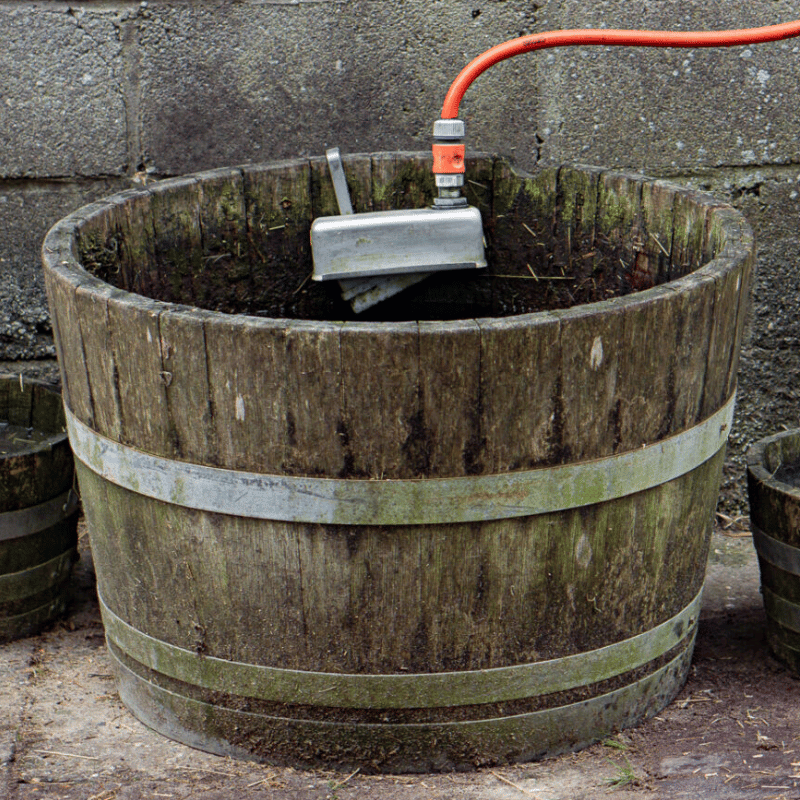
(340, 189)
(363, 292)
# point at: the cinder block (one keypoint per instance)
(770, 199)
(230, 83)
(62, 112)
(26, 213)
(671, 110)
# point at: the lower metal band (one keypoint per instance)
(400, 502)
(522, 737)
(33, 519)
(420, 690)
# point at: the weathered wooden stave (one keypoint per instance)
(466, 397)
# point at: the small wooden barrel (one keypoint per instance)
(38, 523)
(773, 482)
(469, 529)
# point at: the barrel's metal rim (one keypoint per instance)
(401, 690)
(400, 502)
(30, 520)
(773, 551)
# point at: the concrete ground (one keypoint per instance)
(733, 731)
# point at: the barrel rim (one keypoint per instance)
(59, 254)
(757, 457)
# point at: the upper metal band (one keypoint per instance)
(408, 690)
(777, 553)
(400, 502)
(33, 519)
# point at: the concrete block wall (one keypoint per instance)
(98, 95)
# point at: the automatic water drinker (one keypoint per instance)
(375, 255)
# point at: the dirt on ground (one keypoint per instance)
(732, 732)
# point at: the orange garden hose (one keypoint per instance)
(448, 158)
(541, 41)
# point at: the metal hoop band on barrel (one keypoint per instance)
(33, 519)
(775, 552)
(400, 502)
(423, 690)
(30, 620)
(534, 733)
(786, 558)
(781, 610)
(15, 586)
(19, 585)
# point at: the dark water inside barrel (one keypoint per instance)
(17, 439)
(789, 473)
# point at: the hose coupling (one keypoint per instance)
(448, 162)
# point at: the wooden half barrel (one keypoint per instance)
(773, 484)
(38, 519)
(470, 529)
